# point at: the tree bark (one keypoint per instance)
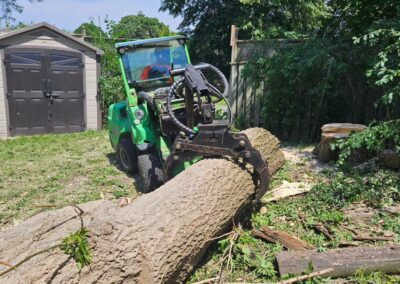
(158, 238)
(344, 262)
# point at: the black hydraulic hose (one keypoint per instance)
(223, 79)
(172, 90)
(170, 95)
(219, 95)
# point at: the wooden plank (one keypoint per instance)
(233, 89)
(257, 105)
(343, 261)
(248, 91)
(239, 93)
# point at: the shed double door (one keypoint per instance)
(44, 91)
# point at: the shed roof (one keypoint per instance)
(54, 29)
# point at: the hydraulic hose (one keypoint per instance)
(173, 89)
(170, 95)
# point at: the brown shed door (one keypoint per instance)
(44, 91)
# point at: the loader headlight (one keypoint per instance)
(139, 114)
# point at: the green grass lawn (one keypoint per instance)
(51, 171)
(242, 257)
(57, 170)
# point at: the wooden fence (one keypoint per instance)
(244, 98)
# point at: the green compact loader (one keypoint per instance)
(169, 119)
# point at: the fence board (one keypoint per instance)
(244, 98)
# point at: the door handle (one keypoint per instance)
(44, 87)
(49, 86)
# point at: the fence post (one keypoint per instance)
(233, 80)
(234, 39)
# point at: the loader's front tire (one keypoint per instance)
(127, 156)
(150, 172)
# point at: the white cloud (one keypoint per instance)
(69, 14)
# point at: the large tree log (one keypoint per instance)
(159, 238)
(344, 262)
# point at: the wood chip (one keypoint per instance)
(287, 189)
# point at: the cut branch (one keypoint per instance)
(373, 239)
(283, 238)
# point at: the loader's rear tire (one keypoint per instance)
(127, 156)
(150, 172)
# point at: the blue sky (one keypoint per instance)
(69, 14)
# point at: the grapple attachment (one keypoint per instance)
(215, 140)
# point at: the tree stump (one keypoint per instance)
(332, 132)
(390, 159)
(159, 238)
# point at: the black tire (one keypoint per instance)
(127, 156)
(150, 172)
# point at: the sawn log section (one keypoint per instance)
(344, 262)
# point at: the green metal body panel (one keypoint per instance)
(122, 122)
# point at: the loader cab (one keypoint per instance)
(146, 63)
(140, 129)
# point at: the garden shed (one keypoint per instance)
(48, 82)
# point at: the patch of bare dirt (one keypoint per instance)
(305, 155)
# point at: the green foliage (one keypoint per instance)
(139, 27)
(76, 246)
(90, 29)
(386, 74)
(386, 70)
(375, 186)
(208, 23)
(384, 135)
(301, 88)
(326, 78)
(284, 18)
(377, 277)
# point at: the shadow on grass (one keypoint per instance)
(137, 181)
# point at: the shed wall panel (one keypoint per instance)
(3, 113)
(91, 90)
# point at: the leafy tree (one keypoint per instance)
(284, 18)
(325, 79)
(208, 22)
(139, 27)
(90, 29)
(8, 7)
